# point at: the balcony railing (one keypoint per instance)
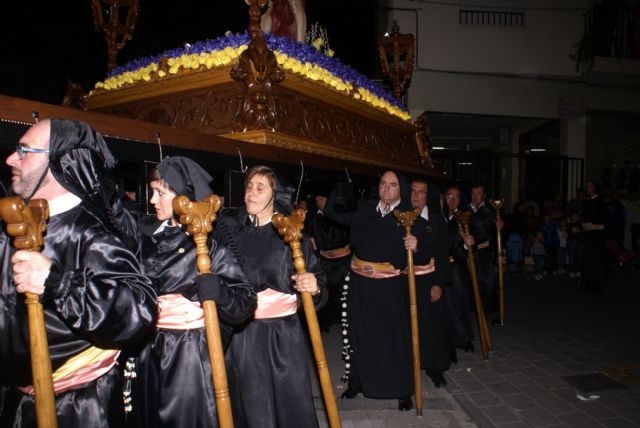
(612, 32)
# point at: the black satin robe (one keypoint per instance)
(329, 235)
(94, 295)
(268, 359)
(174, 386)
(594, 244)
(436, 348)
(379, 328)
(460, 294)
(483, 228)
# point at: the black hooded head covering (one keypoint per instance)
(283, 201)
(82, 163)
(186, 177)
(405, 190)
(79, 158)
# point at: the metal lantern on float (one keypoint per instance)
(107, 18)
(396, 58)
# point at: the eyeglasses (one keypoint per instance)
(22, 151)
(452, 197)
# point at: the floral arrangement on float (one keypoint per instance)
(313, 61)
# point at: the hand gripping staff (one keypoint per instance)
(27, 224)
(497, 204)
(485, 341)
(290, 228)
(198, 216)
(406, 220)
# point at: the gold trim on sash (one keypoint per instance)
(336, 253)
(423, 269)
(373, 269)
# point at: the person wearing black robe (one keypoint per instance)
(432, 280)
(174, 386)
(594, 244)
(460, 292)
(331, 243)
(482, 227)
(96, 301)
(379, 331)
(268, 357)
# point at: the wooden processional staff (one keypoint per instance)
(198, 216)
(27, 224)
(497, 204)
(406, 219)
(485, 341)
(290, 228)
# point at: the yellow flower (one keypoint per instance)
(317, 43)
(330, 53)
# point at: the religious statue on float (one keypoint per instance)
(284, 18)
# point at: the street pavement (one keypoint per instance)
(551, 330)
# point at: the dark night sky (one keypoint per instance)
(43, 44)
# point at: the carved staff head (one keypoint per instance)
(26, 223)
(290, 228)
(198, 216)
(497, 204)
(463, 218)
(406, 219)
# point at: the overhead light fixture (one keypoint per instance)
(538, 150)
(437, 148)
(465, 163)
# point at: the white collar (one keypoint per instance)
(252, 218)
(380, 207)
(473, 207)
(63, 203)
(163, 226)
(425, 213)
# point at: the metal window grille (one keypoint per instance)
(498, 19)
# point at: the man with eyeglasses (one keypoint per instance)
(378, 347)
(432, 280)
(460, 292)
(96, 301)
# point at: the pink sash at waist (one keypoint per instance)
(176, 312)
(274, 304)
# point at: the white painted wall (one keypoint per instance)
(513, 71)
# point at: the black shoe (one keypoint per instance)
(405, 404)
(350, 393)
(469, 347)
(438, 380)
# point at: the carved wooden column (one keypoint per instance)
(423, 140)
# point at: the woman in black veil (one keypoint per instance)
(268, 358)
(174, 385)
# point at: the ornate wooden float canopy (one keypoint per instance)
(256, 100)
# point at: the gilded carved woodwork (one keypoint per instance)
(258, 70)
(214, 111)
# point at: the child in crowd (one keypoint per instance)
(538, 254)
(574, 245)
(562, 248)
(551, 244)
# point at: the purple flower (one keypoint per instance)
(300, 51)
